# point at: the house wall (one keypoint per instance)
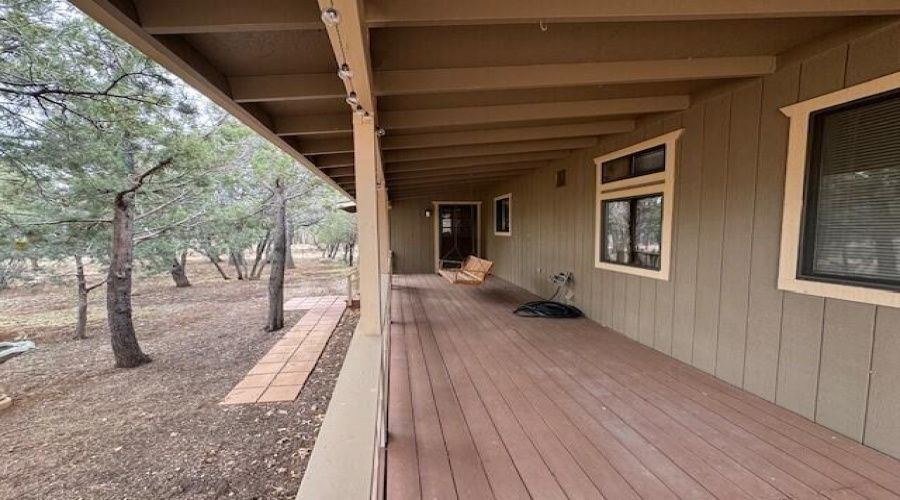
(412, 234)
(830, 360)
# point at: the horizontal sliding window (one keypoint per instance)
(851, 231)
(632, 231)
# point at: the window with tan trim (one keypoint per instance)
(634, 206)
(841, 218)
(503, 215)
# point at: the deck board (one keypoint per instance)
(484, 404)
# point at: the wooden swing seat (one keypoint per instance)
(474, 271)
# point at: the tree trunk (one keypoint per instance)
(125, 346)
(179, 271)
(215, 262)
(260, 258)
(350, 255)
(35, 265)
(235, 259)
(81, 284)
(276, 275)
(289, 254)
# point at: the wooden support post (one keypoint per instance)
(365, 145)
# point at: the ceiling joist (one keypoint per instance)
(313, 146)
(399, 82)
(566, 75)
(525, 112)
(503, 167)
(172, 17)
(286, 87)
(473, 161)
(404, 155)
(384, 13)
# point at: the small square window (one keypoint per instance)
(561, 178)
(632, 231)
(502, 215)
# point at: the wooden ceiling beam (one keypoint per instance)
(419, 81)
(313, 124)
(384, 13)
(331, 145)
(526, 112)
(404, 155)
(325, 145)
(331, 161)
(286, 87)
(452, 180)
(350, 44)
(414, 141)
(337, 172)
(172, 17)
(475, 161)
(483, 169)
(422, 81)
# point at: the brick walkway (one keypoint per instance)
(281, 373)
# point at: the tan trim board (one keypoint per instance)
(563, 75)
(526, 112)
(662, 183)
(794, 184)
(494, 210)
(382, 13)
(453, 178)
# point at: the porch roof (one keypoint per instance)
(485, 404)
(467, 91)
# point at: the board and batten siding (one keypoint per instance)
(830, 360)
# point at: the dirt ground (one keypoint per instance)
(82, 429)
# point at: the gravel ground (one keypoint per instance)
(82, 429)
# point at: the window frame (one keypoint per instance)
(508, 232)
(648, 184)
(632, 201)
(795, 210)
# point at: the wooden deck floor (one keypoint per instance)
(484, 404)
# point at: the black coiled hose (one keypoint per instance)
(547, 309)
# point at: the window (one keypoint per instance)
(502, 207)
(561, 178)
(632, 231)
(634, 207)
(841, 228)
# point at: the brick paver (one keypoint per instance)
(281, 373)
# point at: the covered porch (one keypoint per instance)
(486, 404)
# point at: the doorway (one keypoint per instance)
(456, 233)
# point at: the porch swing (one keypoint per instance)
(474, 271)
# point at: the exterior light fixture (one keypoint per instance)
(344, 73)
(427, 212)
(330, 16)
(352, 99)
(381, 132)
